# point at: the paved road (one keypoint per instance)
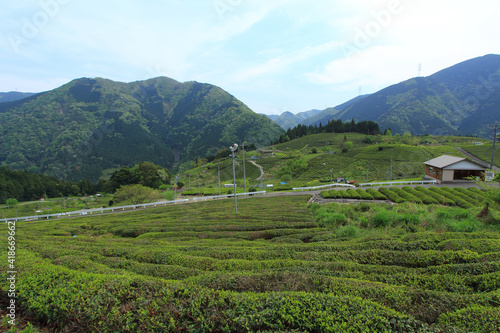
(476, 159)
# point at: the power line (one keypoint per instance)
(495, 127)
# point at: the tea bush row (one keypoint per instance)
(133, 304)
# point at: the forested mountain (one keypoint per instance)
(13, 96)
(328, 114)
(87, 126)
(460, 100)
(463, 99)
(289, 120)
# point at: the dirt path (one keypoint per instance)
(261, 177)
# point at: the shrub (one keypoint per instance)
(364, 195)
(347, 232)
(393, 196)
(354, 194)
(382, 218)
(377, 195)
(406, 196)
(422, 196)
(438, 197)
(473, 319)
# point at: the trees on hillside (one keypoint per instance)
(333, 126)
(145, 173)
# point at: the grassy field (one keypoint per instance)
(279, 265)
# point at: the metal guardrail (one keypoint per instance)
(312, 188)
(229, 195)
(91, 211)
(408, 182)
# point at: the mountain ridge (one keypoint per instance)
(89, 125)
(462, 99)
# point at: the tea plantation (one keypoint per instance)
(279, 265)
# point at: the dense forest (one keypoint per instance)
(333, 126)
(26, 186)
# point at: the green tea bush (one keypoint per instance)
(391, 195)
(473, 319)
(449, 194)
(438, 197)
(376, 194)
(407, 196)
(347, 232)
(422, 196)
(364, 195)
(354, 194)
(382, 218)
(476, 197)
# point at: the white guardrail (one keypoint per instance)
(229, 195)
(112, 209)
(312, 188)
(91, 211)
(408, 182)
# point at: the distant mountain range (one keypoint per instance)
(13, 96)
(460, 100)
(88, 126)
(289, 120)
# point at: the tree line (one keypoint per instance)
(26, 186)
(333, 126)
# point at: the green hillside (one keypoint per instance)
(459, 100)
(89, 125)
(323, 152)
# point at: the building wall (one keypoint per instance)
(447, 175)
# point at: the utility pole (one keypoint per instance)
(175, 188)
(392, 151)
(233, 148)
(244, 173)
(331, 176)
(494, 140)
(199, 190)
(262, 180)
(218, 175)
(367, 170)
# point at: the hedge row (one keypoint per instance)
(455, 198)
(438, 197)
(422, 196)
(391, 195)
(406, 195)
(133, 304)
(376, 194)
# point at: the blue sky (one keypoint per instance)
(275, 56)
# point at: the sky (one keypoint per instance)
(274, 56)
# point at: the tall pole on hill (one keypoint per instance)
(233, 149)
(244, 173)
(392, 151)
(175, 191)
(367, 170)
(218, 175)
(494, 140)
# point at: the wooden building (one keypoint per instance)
(448, 168)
